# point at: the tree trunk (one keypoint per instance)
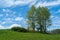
(33, 28)
(41, 28)
(33, 24)
(45, 26)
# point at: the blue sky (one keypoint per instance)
(13, 12)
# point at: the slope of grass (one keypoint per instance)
(11, 35)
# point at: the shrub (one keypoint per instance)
(56, 31)
(19, 29)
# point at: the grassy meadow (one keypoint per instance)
(12, 35)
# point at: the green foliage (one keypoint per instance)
(56, 31)
(41, 16)
(31, 17)
(19, 29)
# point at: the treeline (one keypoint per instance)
(38, 18)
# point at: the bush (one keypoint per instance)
(19, 29)
(56, 31)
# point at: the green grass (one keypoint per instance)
(11, 35)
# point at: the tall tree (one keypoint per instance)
(45, 15)
(31, 16)
(38, 18)
(43, 18)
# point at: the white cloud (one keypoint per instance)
(58, 11)
(6, 10)
(9, 3)
(52, 3)
(14, 25)
(51, 16)
(25, 2)
(8, 19)
(56, 21)
(6, 3)
(19, 18)
(2, 27)
(6, 22)
(54, 17)
(13, 20)
(9, 13)
(3, 22)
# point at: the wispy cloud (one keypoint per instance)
(58, 11)
(9, 3)
(19, 18)
(55, 22)
(45, 3)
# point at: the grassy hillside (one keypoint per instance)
(11, 35)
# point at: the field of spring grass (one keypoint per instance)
(11, 35)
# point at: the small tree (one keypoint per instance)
(31, 17)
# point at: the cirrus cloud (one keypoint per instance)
(9, 3)
(45, 3)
